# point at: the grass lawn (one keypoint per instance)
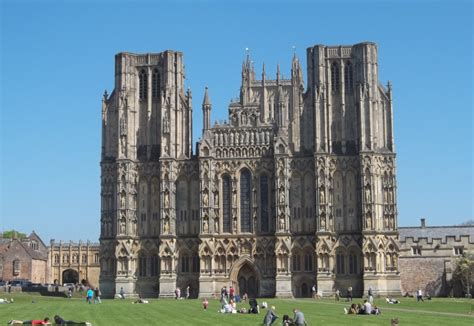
(439, 311)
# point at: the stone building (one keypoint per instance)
(297, 188)
(427, 257)
(25, 259)
(74, 262)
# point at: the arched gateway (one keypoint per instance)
(245, 277)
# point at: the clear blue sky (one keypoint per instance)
(57, 59)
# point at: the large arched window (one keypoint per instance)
(143, 87)
(264, 203)
(245, 201)
(155, 263)
(155, 84)
(226, 203)
(340, 268)
(335, 77)
(142, 264)
(353, 263)
(348, 77)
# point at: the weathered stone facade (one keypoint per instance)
(427, 256)
(74, 262)
(25, 259)
(298, 187)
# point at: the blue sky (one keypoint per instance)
(57, 59)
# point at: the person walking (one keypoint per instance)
(89, 295)
(122, 294)
(298, 319)
(419, 296)
(370, 295)
(97, 295)
(349, 293)
(188, 291)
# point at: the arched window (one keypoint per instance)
(245, 201)
(335, 77)
(308, 261)
(340, 268)
(296, 262)
(16, 267)
(143, 87)
(184, 264)
(264, 203)
(141, 265)
(353, 264)
(226, 203)
(155, 84)
(348, 78)
(56, 259)
(155, 263)
(84, 259)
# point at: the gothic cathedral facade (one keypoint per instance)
(297, 188)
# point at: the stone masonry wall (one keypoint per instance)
(427, 274)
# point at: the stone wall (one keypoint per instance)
(427, 274)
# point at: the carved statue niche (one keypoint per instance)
(216, 197)
(166, 199)
(166, 122)
(368, 221)
(322, 196)
(205, 198)
(234, 224)
(205, 224)
(216, 224)
(166, 225)
(282, 195)
(282, 222)
(323, 222)
(368, 196)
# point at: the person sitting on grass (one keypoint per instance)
(140, 300)
(44, 321)
(352, 310)
(287, 321)
(253, 306)
(270, 317)
(375, 310)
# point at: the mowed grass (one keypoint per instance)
(439, 311)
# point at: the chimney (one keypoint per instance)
(423, 224)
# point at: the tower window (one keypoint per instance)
(348, 77)
(226, 201)
(245, 203)
(335, 77)
(143, 87)
(155, 84)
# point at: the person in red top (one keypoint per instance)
(231, 293)
(44, 321)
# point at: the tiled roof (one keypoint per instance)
(436, 232)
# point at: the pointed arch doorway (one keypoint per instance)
(245, 278)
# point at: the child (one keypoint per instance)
(205, 303)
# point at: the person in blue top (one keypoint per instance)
(90, 295)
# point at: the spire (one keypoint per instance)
(278, 73)
(206, 100)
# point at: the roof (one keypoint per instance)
(436, 232)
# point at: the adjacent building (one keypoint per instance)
(428, 256)
(297, 188)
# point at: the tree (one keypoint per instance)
(10, 234)
(464, 272)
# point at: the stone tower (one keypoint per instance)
(297, 188)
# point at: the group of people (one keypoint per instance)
(297, 320)
(93, 295)
(177, 293)
(362, 309)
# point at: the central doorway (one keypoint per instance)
(247, 281)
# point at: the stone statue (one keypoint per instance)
(368, 197)
(282, 196)
(216, 198)
(166, 226)
(323, 222)
(322, 196)
(368, 221)
(166, 199)
(166, 123)
(122, 200)
(235, 224)
(282, 222)
(205, 198)
(216, 224)
(205, 225)
(123, 228)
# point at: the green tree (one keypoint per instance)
(464, 272)
(13, 233)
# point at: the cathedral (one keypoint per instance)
(297, 188)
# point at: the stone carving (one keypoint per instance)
(368, 196)
(166, 123)
(166, 199)
(205, 198)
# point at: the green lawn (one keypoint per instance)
(442, 311)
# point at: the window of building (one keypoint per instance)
(184, 264)
(155, 83)
(56, 259)
(348, 78)
(16, 267)
(143, 87)
(34, 245)
(96, 258)
(141, 265)
(352, 264)
(75, 258)
(264, 203)
(308, 262)
(226, 203)
(296, 262)
(458, 251)
(340, 268)
(195, 264)
(65, 258)
(245, 201)
(155, 263)
(334, 77)
(416, 251)
(84, 259)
